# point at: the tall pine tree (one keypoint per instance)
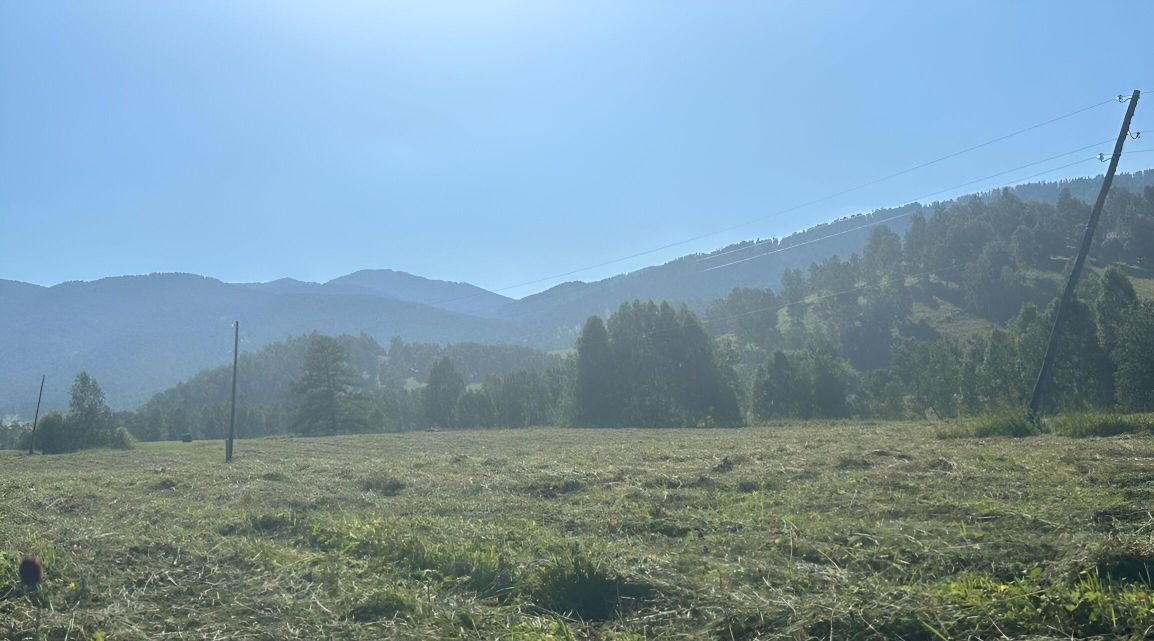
(323, 391)
(595, 394)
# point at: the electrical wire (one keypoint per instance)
(919, 198)
(914, 168)
(787, 210)
(809, 300)
(1038, 162)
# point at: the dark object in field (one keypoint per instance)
(187, 438)
(31, 572)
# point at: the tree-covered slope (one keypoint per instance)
(140, 334)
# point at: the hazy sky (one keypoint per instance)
(500, 142)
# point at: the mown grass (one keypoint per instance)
(843, 531)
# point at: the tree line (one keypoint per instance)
(949, 319)
(89, 423)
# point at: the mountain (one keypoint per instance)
(462, 298)
(554, 316)
(455, 297)
(140, 334)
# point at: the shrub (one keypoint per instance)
(122, 439)
(55, 434)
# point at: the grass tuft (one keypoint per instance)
(574, 583)
(1009, 423)
(383, 483)
(1090, 424)
(385, 604)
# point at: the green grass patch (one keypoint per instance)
(1088, 424)
(1009, 423)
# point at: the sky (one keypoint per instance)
(517, 145)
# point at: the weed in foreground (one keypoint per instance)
(1090, 605)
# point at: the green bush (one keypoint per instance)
(122, 439)
(55, 434)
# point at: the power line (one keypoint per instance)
(1038, 162)
(790, 209)
(919, 198)
(987, 143)
(933, 272)
(916, 167)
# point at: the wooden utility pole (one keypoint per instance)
(36, 417)
(232, 410)
(1087, 239)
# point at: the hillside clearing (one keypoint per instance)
(832, 530)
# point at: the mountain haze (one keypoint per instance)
(140, 334)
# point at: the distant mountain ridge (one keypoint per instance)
(140, 334)
(452, 296)
(394, 285)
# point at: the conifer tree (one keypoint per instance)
(442, 391)
(595, 395)
(323, 390)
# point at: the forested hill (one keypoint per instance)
(556, 313)
(198, 406)
(554, 316)
(1081, 188)
(141, 334)
(948, 320)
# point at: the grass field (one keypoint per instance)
(827, 531)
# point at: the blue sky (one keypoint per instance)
(504, 142)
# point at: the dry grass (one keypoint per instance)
(856, 531)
